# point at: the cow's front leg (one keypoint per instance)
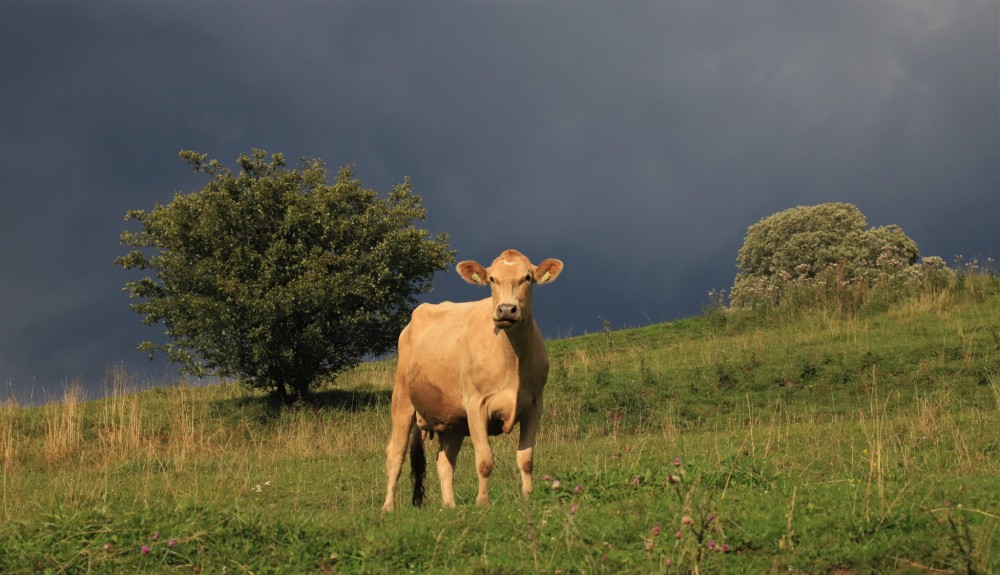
(526, 444)
(484, 454)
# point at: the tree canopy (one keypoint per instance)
(807, 240)
(276, 276)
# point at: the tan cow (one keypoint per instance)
(471, 369)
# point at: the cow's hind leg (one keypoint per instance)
(403, 418)
(449, 445)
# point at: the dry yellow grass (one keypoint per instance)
(120, 431)
(8, 449)
(63, 426)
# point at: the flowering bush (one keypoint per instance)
(888, 281)
(826, 255)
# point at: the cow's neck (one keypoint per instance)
(519, 338)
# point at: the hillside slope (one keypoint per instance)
(807, 442)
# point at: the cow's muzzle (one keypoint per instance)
(506, 315)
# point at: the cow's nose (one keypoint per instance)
(507, 310)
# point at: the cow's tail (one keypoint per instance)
(418, 466)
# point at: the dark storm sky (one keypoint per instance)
(634, 140)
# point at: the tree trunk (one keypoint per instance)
(301, 389)
(281, 393)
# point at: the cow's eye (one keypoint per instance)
(492, 281)
(527, 278)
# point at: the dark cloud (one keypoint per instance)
(636, 141)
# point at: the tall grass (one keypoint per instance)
(121, 432)
(8, 448)
(879, 452)
(63, 426)
(188, 422)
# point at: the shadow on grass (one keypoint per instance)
(271, 407)
(352, 400)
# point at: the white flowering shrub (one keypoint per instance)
(820, 255)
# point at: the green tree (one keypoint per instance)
(276, 276)
(806, 240)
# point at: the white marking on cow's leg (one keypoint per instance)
(526, 444)
(403, 418)
(448, 448)
(484, 454)
(525, 461)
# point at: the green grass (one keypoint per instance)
(807, 442)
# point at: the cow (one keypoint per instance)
(471, 369)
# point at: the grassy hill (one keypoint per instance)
(801, 440)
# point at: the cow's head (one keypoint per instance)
(510, 279)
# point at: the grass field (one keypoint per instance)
(810, 441)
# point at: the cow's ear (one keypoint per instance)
(472, 272)
(548, 271)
